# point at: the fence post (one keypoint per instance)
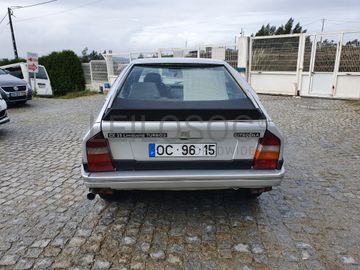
(109, 64)
(300, 63)
(337, 62)
(91, 73)
(243, 56)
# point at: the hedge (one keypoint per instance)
(65, 72)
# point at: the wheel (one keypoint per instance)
(253, 196)
(254, 193)
(108, 198)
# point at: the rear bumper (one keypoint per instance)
(183, 179)
(4, 120)
(3, 116)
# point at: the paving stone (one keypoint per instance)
(43, 263)
(8, 260)
(241, 248)
(24, 264)
(313, 216)
(158, 255)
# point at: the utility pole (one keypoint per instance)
(322, 24)
(10, 13)
(12, 33)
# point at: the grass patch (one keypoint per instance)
(356, 104)
(77, 94)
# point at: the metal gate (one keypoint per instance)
(321, 65)
(331, 65)
(274, 64)
(319, 74)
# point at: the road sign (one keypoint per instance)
(32, 62)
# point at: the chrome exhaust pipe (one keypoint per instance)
(91, 196)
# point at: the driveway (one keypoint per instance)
(312, 221)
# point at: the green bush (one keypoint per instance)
(65, 72)
(6, 61)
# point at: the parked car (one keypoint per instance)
(14, 90)
(181, 124)
(3, 114)
(43, 85)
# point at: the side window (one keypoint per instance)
(16, 71)
(40, 75)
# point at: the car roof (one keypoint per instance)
(171, 60)
(15, 65)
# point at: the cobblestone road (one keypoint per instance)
(312, 221)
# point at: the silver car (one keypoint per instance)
(3, 114)
(181, 124)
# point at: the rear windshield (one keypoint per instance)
(180, 83)
(180, 92)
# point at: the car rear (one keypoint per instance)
(182, 124)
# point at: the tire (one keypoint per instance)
(253, 196)
(254, 193)
(108, 198)
(117, 195)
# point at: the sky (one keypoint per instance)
(146, 25)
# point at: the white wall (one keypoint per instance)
(274, 83)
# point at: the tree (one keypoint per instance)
(288, 28)
(6, 61)
(87, 57)
(65, 72)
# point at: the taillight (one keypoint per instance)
(267, 152)
(98, 154)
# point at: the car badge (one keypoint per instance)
(16, 88)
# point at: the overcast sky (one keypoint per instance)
(122, 25)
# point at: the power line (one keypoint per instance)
(3, 29)
(10, 14)
(3, 18)
(33, 5)
(312, 22)
(342, 21)
(60, 12)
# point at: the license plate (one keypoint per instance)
(182, 150)
(18, 94)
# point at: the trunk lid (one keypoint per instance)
(234, 140)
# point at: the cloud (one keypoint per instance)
(148, 24)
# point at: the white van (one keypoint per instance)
(43, 86)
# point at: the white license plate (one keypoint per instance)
(18, 94)
(182, 150)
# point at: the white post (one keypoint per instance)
(35, 81)
(243, 56)
(337, 62)
(198, 52)
(312, 63)
(300, 63)
(109, 64)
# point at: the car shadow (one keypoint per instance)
(186, 199)
(18, 105)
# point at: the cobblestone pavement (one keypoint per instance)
(312, 221)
